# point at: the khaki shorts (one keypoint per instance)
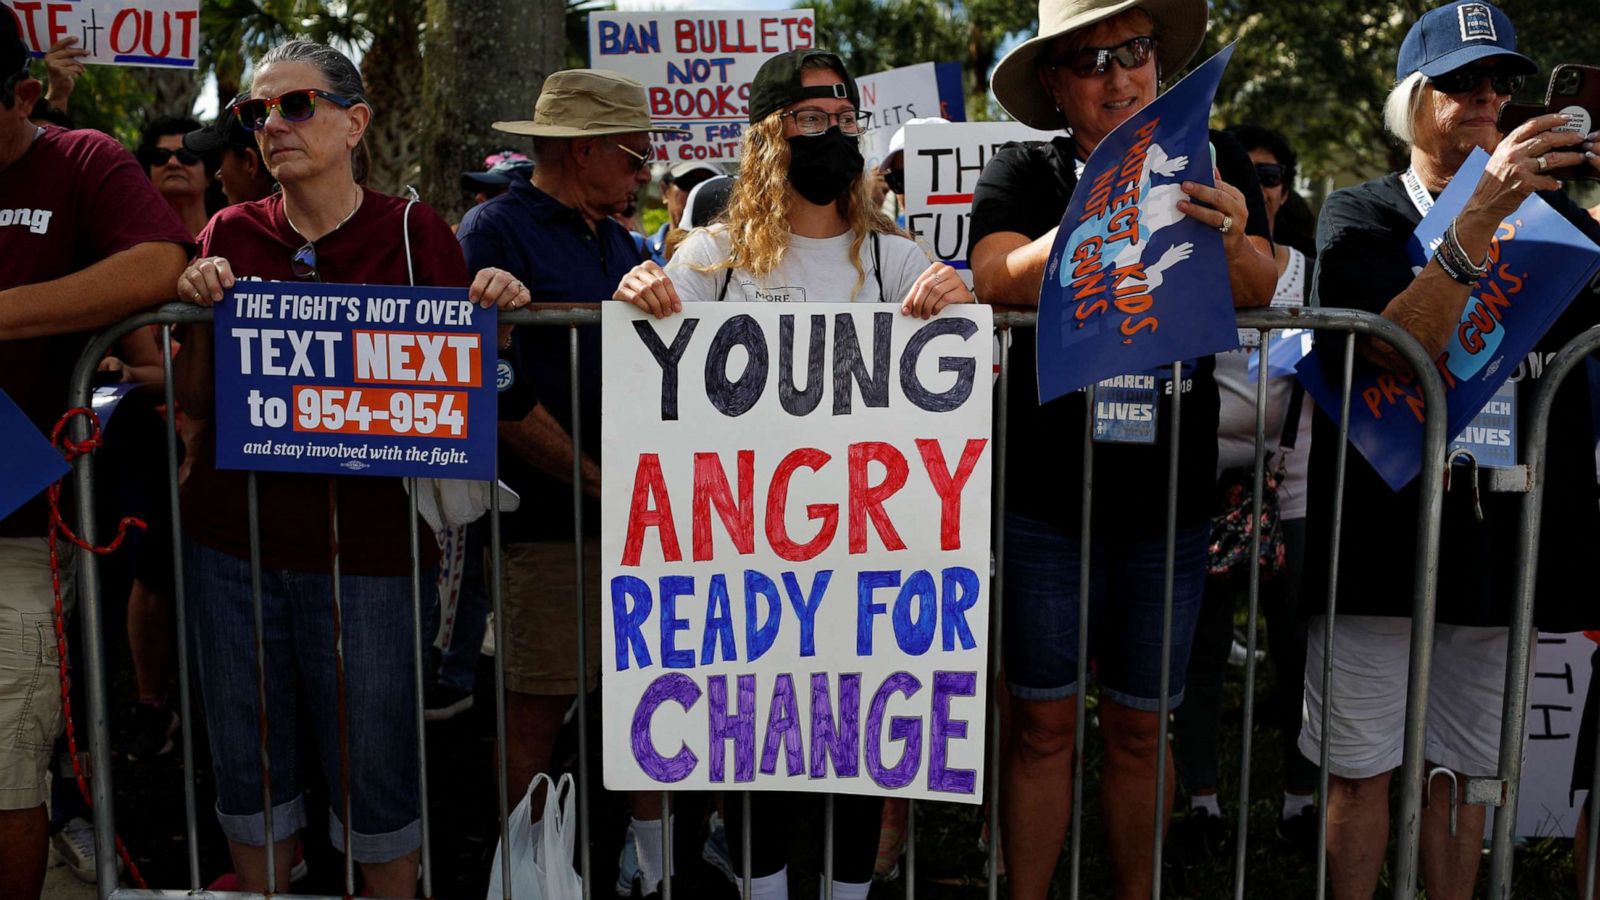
(541, 630)
(30, 674)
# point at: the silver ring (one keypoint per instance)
(1543, 163)
(1227, 224)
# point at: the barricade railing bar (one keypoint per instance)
(1513, 720)
(92, 658)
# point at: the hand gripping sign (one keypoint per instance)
(795, 545)
(159, 33)
(1132, 283)
(348, 379)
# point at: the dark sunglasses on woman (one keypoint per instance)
(1467, 78)
(294, 106)
(158, 157)
(1269, 174)
(1131, 54)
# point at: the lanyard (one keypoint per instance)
(1420, 198)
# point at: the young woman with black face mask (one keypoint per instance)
(800, 226)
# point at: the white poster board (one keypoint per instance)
(159, 33)
(943, 163)
(696, 68)
(894, 97)
(795, 564)
(1555, 707)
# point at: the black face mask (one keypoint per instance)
(821, 166)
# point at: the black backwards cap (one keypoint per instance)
(777, 83)
(14, 55)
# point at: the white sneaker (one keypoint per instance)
(73, 845)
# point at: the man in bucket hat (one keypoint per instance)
(554, 231)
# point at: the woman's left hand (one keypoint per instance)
(1591, 150)
(937, 287)
(497, 287)
(1224, 210)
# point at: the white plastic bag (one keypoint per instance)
(541, 871)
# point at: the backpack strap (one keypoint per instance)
(727, 279)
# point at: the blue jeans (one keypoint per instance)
(1127, 584)
(301, 688)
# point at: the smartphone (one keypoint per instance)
(1574, 90)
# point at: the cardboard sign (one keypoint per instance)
(896, 96)
(696, 68)
(344, 379)
(1132, 283)
(795, 549)
(31, 464)
(159, 33)
(1538, 263)
(943, 163)
(1546, 807)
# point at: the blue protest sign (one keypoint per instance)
(30, 463)
(1538, 263)
(1132, 283)
(346, 379)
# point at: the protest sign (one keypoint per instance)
(795, 554)
(696, 68)
(896, 96)
(1132, 283)
(943, 163)
(345, 379)
(1546, 807)
(1538, 263)
(30, 463)
(161, 33)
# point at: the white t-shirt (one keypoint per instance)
(1236, 421)
(813, 270)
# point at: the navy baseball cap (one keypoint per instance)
(1456, 34)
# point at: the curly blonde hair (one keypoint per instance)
(757, 216)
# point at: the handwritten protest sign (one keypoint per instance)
(1538, 262)
(795, 549)
(355, 379)
(896, 96)
(943, 163)
(163, 33)
(1561, 672)
(27, 458)
(1132, 283)
(696, 68)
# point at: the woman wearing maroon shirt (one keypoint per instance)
(325, 226)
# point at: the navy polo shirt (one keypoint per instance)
(551, 248)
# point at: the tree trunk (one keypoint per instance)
(172, 91)
(391, 69)
(485, 61)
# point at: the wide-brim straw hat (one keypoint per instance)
(1180, 26)
(577, 103)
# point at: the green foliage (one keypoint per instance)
(105, 98)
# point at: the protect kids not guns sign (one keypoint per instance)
(796, 549)
(696, 68)
(344, 379)
(161, 33)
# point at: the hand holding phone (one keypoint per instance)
(1575, 91)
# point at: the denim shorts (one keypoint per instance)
(302, 705)
(1127, 584)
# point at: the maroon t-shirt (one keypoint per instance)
(71, 200)
(374, 536)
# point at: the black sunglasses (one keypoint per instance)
(304, 263)
(294, 106)
(1133, 53)
(159, 156)
(1269, 174)
(1467, 78)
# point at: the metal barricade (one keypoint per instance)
(1349, 323)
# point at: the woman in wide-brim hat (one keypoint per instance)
(1095, 64)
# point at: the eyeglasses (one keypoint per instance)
(294, 106)
(640, 160)
(1131, 54)
(1269, 174)
(304, 263)
(1467, 78)
(158, 157)
(896, 180)
(814, 121)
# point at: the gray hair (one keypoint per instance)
(1401, 106)
(343, 77)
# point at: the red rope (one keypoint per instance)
(71, 450)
